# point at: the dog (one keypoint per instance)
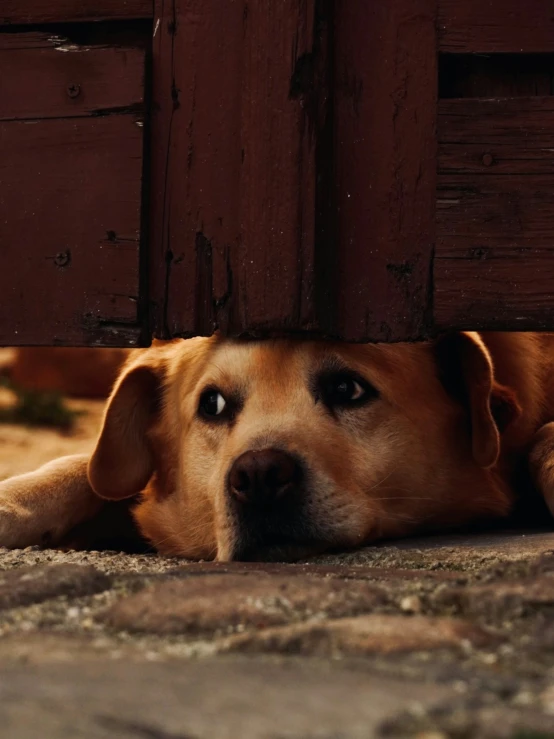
(237, 449)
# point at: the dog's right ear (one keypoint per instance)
(123, 462)
(467, 373)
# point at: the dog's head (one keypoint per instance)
(264, 449)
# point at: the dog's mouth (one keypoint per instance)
(273, 539)
(271, 506)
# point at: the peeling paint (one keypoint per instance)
(57, 40)
(72, 48)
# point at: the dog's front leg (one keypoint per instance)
(541, 463)
(41, 507)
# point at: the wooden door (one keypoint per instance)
(356, 169)
(73, 96)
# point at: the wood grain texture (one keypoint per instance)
(507, 289)
(494, 260)
(496, 137)
(513, 121)
(279, 123)
(70, 228)
(195, 156)
(67, 11)
(513, 209)
(385, 168)
(496, 26)
(233, 175)
(44, 76)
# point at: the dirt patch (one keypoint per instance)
(23, 448)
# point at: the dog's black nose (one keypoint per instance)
(264, 477)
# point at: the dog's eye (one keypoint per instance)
(212, 403)
(345, 390)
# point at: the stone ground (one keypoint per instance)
(442, 637)
(431, 638)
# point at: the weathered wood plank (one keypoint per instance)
(67, 11)
(494, 260)
(280, 120)
(496, 158)
(482, 207)
(496, 26)
(385, 168)
(196, 159)
(512, 121)
(70, 228)
(504, 288)
(233, 172)
(45, 76)
(474, 209)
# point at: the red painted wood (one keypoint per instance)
(494, 262)
(69, 228)
(71, 158)
(473, 209)
(279, 127)
(233, 172)
(44, 76)
(496, 137)
(66, 11)
(196, 159)
(291, 171)
(508, 289)
(496, 26)
(385, 165)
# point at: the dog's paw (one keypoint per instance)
(541, 463)
(41, 507)
(17, 528)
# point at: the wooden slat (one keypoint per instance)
(233, 171)
(196, 163)
(279, 133)
(479, 208)
(509, 289)
(496, 26)
(515, 121)
(494, 137)
(494, 261)
(67, 11)
(497, 158)
(385, 167)
(44, 76)
(69, 229)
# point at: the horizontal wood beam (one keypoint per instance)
(494, 259)
(16, 12)
(496, 26)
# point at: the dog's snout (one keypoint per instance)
(263, 476)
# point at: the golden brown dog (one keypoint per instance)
(265, 449)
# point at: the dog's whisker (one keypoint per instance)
(381, 481)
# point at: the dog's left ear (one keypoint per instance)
(123, 462)
(467, 374)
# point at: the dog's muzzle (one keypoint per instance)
(267, 499)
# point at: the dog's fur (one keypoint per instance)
(445, 428)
